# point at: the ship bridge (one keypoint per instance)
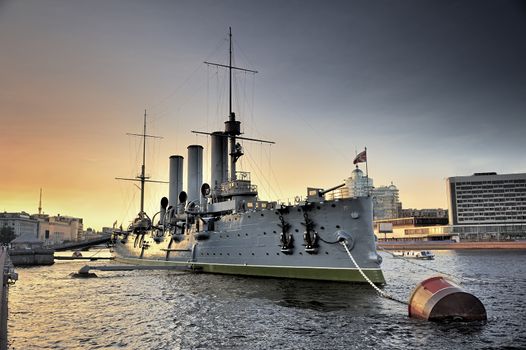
(240, 186)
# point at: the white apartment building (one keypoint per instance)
(488, 206)
(58, 229)
(487, 198)
(386, 203)
(21, 223)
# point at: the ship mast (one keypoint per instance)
(142, 176)
(232, 126)
(236, 131)
(230, 70)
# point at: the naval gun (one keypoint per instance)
(317, 194)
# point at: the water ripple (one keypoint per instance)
(167, 310)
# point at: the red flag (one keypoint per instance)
(361, 157)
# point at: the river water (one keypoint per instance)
(172, 310)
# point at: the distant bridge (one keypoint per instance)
(103, 238)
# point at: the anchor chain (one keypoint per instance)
(378, 290)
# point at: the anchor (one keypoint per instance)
(310, 236)
(286, 238)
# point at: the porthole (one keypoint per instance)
(246, 234)
(327, 253)
(296, 230)
(337, 226)
(277, 253)
(322, 227)
(264, 233)
(318, 207)
(262, 214)
(239, 253)
(301, 253)
(253, 254)
(333, 205)
(274, 231)
(267, 253)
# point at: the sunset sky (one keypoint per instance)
(432, 88)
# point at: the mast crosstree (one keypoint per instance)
(232, 126)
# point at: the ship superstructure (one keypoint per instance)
(223, 227)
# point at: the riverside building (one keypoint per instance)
(415, 228)
(488, 206)
(424, 213)
(58, 229)
(481, 207)
(49, 229)
(386, 203)
(21, 223)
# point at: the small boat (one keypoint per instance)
(422, 255)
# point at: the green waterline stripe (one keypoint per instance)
(316, 273)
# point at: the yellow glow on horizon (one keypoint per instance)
(79, 180)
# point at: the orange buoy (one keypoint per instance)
(439, 299)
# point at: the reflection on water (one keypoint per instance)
(315, 295)
(172, 310)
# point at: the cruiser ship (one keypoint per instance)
(223, 227)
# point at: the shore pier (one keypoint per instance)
(439, 245)
(8, 277)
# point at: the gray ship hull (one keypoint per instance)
(248, 243)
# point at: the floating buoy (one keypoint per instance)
(439, 299)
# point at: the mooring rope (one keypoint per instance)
(378, 290)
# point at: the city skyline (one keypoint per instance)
(433, 89)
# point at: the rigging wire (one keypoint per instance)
(152, 106)
(327, 141)
(258, 169)
(238, 47)
(252, 120)
(271, 171)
